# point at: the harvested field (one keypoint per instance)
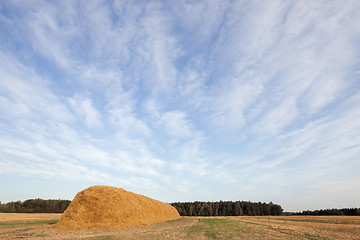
(264, 227)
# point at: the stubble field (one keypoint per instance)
(38, 226)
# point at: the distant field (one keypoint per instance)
(31, 226)
(22, 217)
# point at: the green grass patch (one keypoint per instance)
(216, 228)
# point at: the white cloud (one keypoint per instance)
(86, 111)
(279, 117)
(127, 123)
(90, 113)
(272, 69)
(25, 94)
(52, 146)
(233, 101)
(162, 50)
(176, 124)
(51, 34)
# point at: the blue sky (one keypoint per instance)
(182, 100)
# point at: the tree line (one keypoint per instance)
(221, 208)
(334, 211)
(227, 208)
(35, 206)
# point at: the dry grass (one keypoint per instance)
(282, 227)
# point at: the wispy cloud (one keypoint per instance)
(258, 96)
(23, 90)
(85, 110)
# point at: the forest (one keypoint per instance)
(35, 206)
(227, 208)
(221, 208)
(334, 212)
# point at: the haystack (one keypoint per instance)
(104, 207)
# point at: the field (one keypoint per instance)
(36, 226)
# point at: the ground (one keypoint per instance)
(38, 226)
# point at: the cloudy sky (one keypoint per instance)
(182, 100)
